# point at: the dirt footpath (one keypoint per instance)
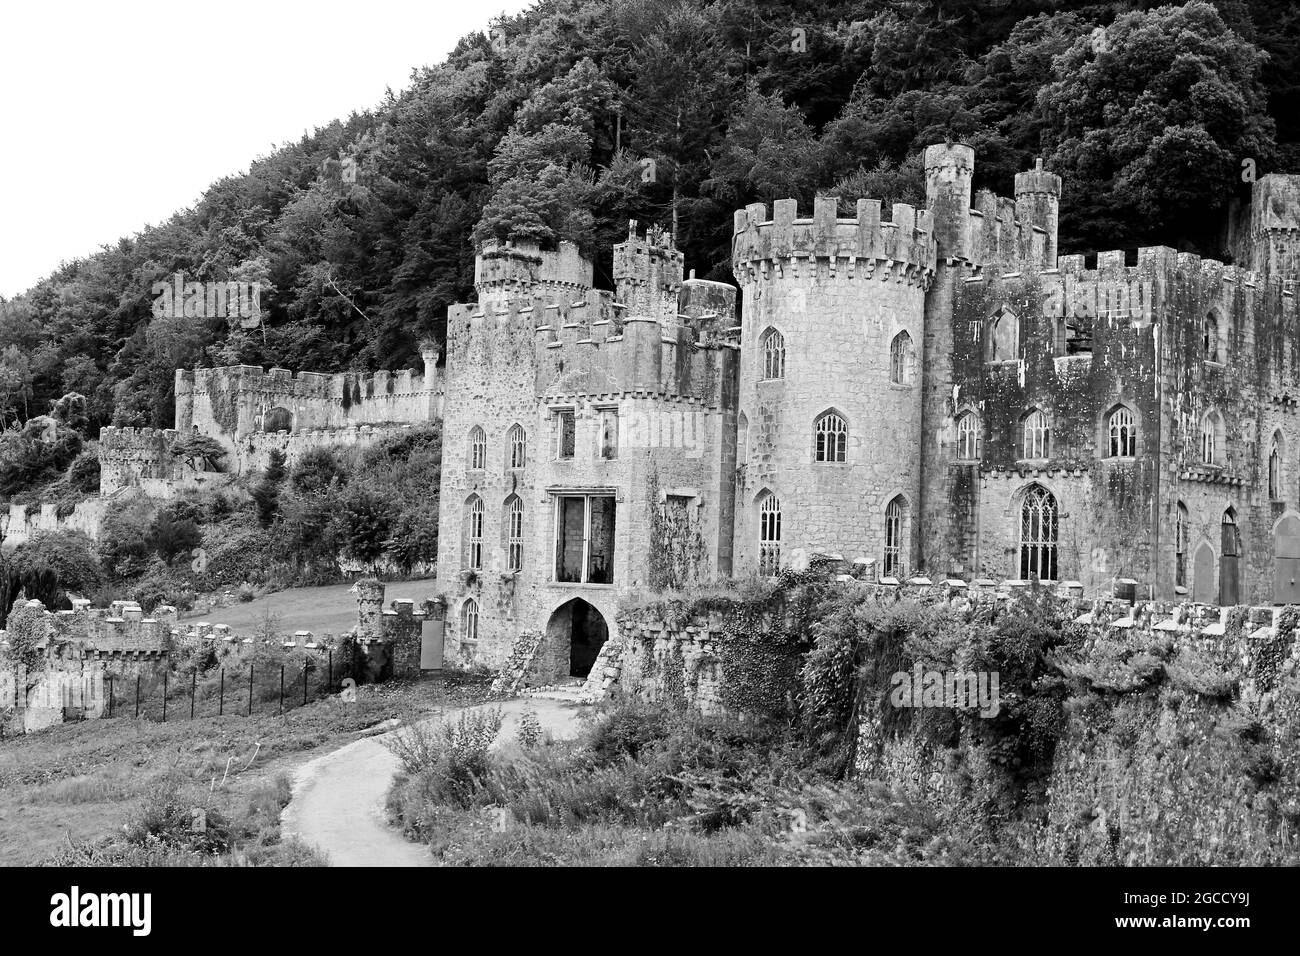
(338, 799)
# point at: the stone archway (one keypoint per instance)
(574, 635)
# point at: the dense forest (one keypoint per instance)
(539, 127)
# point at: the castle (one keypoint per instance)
(935, 394)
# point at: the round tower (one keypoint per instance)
(830, 383)
(1038, 202)
(949, 168)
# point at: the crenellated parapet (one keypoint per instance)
(515, 270)
(648, 357)
(134, 456)
(900, 249)
(123, 629)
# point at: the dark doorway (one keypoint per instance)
(1228, 590)
(580, 629)
(1286, 561)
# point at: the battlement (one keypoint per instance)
(906, 240)
(512, 269)
(121, 629)
(1130, 284)
(114, 438)
(1038, 181)
(647, 273)
(648, 356)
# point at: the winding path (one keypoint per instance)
(338, 799)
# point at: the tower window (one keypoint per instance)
(477, 449)
(773, 351)
(832, 439)
(469, 621)
(474, 533)
(902, 360)
(968, 437)
(1121, 434)
(609, 433)
(1212, 450)
(769, 536)
(565, 433)
(517, 439)
(1212, 335)
(1276, 455)
(1181, 524)
(514, 534)
(895, 522)
(1036, 437)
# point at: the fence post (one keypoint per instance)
(304, 683)
(137, 695)
(221, 694)
(164, 720)
(281, 690)
(194, 686)
(250, 688)
(329, 682)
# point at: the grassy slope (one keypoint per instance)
(81, 781)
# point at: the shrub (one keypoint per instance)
(450, 757)
(69, 554)
(170, 536)
(124, 547)
(266, 493)
(316, 471)
(361, 524)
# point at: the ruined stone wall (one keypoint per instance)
(21, 522)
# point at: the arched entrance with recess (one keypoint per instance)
(574, 636)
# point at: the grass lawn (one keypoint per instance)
(81, 782)
(331, 609)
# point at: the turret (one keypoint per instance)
(1038, 203)
(516, 270)
(1275, 226)
(830, 397)
(948, 171)
(648, 274)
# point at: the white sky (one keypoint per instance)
(117, 113)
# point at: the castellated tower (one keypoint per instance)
(830, 382)
(648, 275)
(517, 270)
(1038, 202)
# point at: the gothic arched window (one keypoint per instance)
(1035, 436)
(1038, 534)
(477, 449)
(773, 351)
(1121, 433)
(902, 360)
(968, 437)
(517, 441)
(831, 438)
(769, 536)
